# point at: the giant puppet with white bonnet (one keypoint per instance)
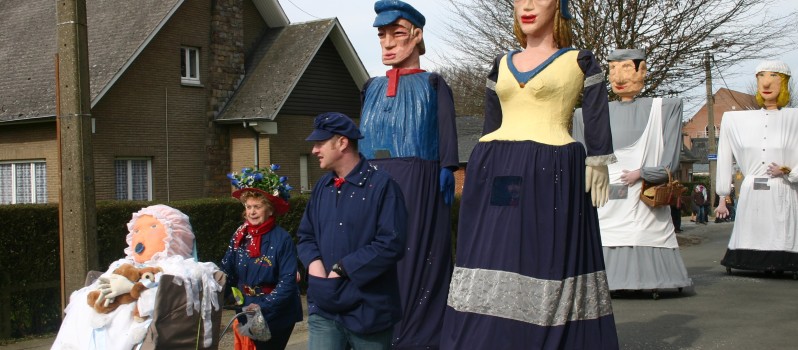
(158, 237)
(764, 144)
(639, 241)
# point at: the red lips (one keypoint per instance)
(528, 18)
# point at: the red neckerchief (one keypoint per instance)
(393, 78)
(338, 182)
(255, 233)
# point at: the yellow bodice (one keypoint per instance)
(540, 111)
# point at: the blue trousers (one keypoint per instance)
(329, 335)
(702, 216)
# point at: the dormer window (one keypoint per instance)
(189, 65)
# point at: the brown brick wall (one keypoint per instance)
(459, 180)
(149, 113)
(725, 100)
(24, 142)
(254, 26)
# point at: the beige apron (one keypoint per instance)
(628, 221)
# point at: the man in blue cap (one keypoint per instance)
(408, 123)
(351, 236)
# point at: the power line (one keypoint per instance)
(303, 11)
(725, 84)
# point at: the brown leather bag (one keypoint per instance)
(668, 193)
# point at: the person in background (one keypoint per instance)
(351, 237)
(261, 259)
(699, 201)
(764, 143)
(676, 216)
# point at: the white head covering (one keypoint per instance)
(773, 66)
(179, 239)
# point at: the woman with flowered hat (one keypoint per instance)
(764, 144)
(261, 260)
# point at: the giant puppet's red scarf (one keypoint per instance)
(393, 78)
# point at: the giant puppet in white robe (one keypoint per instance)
(765, 145)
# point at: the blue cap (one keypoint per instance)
(329, 124)
(564, 9)
(388, 11)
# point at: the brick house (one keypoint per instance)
(695, 131)
(182, 92)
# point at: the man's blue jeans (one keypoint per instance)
(328, 335)
(701, 216)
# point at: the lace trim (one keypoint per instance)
(606, 159)
(594, 79)
(490, 84)
(526, 299)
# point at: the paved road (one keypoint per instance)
(743, 311)
(746, 310)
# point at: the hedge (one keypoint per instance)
(30, 274)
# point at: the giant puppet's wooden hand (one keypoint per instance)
(597, 180)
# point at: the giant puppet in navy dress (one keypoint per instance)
(529, 272)
(409, 131)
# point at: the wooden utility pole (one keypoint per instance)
(712, 152)
(76, 207)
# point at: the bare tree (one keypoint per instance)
(674, 33)
(468, 84)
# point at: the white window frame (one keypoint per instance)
(191, 66)
(304, 184)
(129, 162)
(33, 193)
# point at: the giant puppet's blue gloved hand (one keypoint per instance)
(447, 185)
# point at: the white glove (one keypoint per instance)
(597, 180)
(113, 286)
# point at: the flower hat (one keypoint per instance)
(266, 182)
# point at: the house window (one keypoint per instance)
(304, 184)
(133, 179)
(189, 65)
(23, 182)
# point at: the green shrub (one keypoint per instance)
(31, 257)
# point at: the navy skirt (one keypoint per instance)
(425, 269)
(529, 271)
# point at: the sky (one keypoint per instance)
(357, 16)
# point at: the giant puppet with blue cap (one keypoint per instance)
(543, 244)
(641, 253)
(351, 237)
(408, 124)
(764, 145)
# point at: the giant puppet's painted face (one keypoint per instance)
(148, 238)
(535, 17)
(626, 81)
(768, 84)
(399, 41)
